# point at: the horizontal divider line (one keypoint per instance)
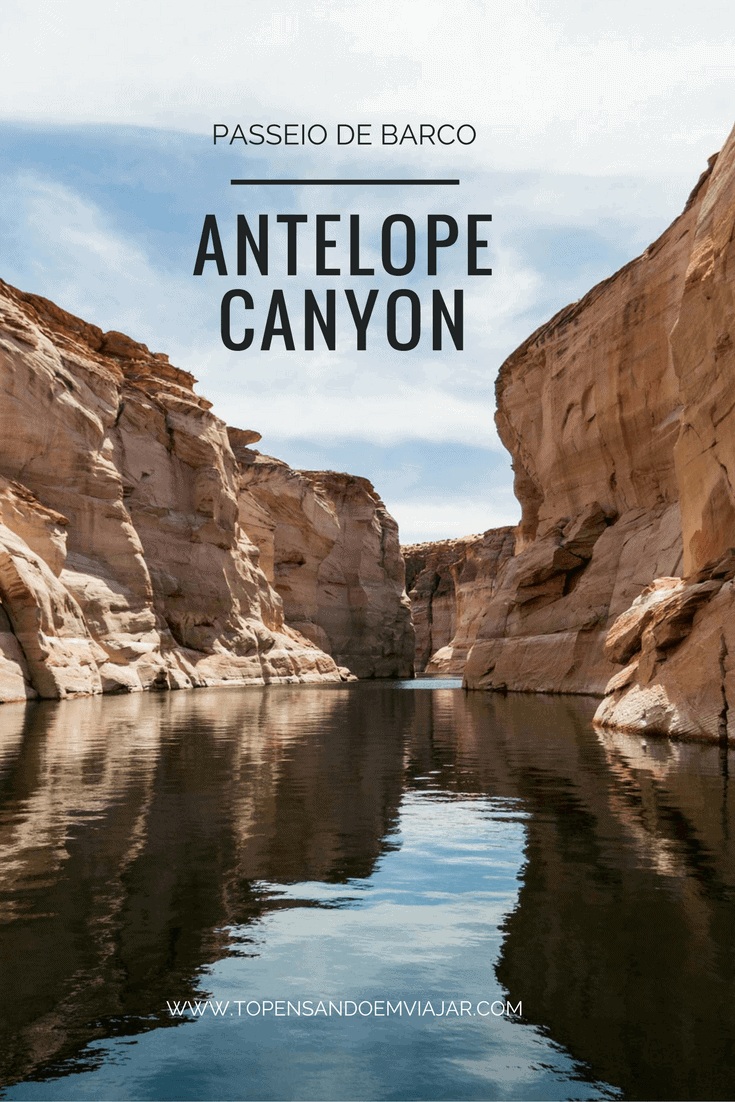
(302, 182)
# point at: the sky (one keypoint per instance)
(593, 122)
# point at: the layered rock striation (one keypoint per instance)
(124, 563)
(449, 582)
(677, 642)
(593, 408)
(619, 414)
(330, 549)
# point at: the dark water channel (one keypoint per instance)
(377, 846)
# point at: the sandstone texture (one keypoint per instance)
(590, 407)
(330, 550)
(124, 563)
(620, 417)
(449, 582)
(679, 676)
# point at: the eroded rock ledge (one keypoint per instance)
(330, 549)
(619, 414)
(448, 583)
(126, 562)
(679, 640)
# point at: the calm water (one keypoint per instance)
(233, 850)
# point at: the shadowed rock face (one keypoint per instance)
(679, 676)
(593, 408)
(330, 549)
(124, 564)
(619, 415)
(449, 583)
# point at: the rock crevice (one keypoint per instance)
(448, 582)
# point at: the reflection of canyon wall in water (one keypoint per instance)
(126, 860)
(125, 562)
(622, 945)
(136, 830)
(630, 962)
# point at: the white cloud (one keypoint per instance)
(388, 416)
(420, 520)
(573, 91)
(62, 244)
(104, 277)
(564, 85)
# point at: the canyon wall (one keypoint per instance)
(449, 582)
(124, 564)
(590, 407)
(330, 549)
(619, 414)
(677, 642)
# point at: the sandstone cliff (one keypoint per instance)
(590, 407)
(449, 584)
(330, 549)
(124, 564)
(678, 640)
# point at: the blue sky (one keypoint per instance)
(593, 123)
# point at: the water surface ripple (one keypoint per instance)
(359, 845)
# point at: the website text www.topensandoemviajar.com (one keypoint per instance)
(347, 1008)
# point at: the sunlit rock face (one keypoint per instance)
(590, 407)
(679, 676)
(449, 582)
(123, 562)
(330, 549)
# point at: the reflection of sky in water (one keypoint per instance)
(424, 927)
(403, 841)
